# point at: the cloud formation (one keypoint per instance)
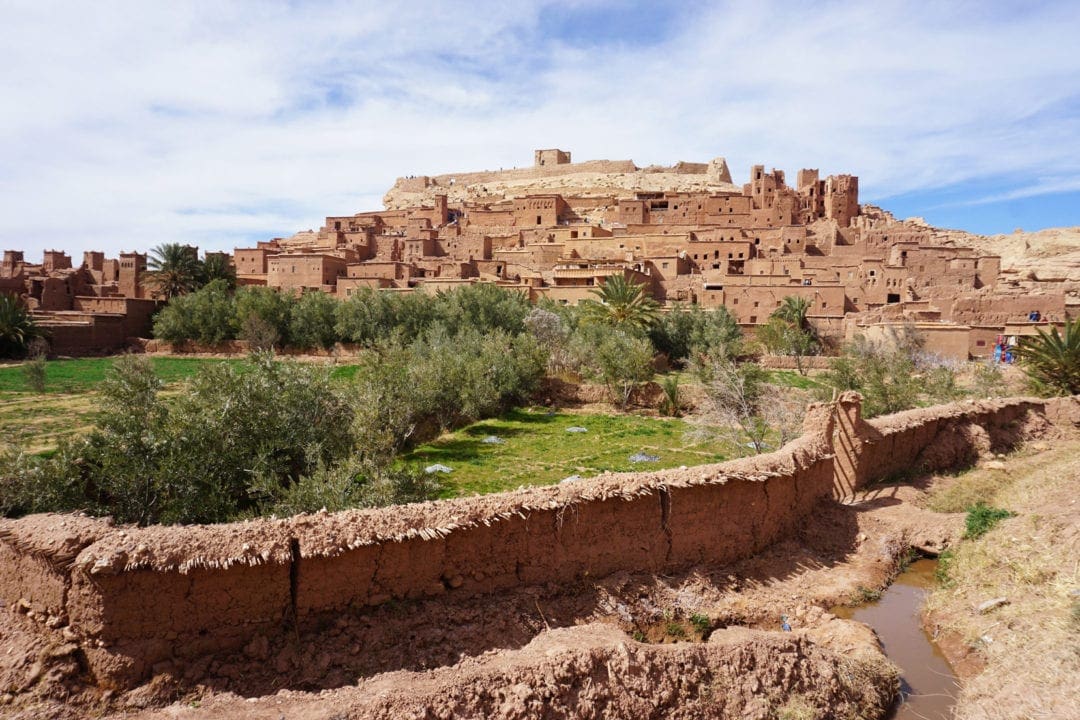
(124, 125)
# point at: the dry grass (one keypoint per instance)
(37, 423)
(1030, 645)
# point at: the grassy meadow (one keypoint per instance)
(537, 449)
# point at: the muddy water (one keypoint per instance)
(927, 687)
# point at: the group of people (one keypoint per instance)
(1005, 345)
(1005, 349)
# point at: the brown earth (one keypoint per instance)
(567, 648)
(1020, 658)
(624, 645)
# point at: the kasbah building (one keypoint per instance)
(560, 229)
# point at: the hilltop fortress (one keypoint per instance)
(559, 229)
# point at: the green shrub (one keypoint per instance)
(688, 334)
(231, 444)
(701, 623)
(311, 322)
(884, 372)
(262, 313)
(34, 370)
(618, 358)
(981, 519)
(1052, 359)
(671, 403)
(352, 485)
(482, 306)
(204, 316)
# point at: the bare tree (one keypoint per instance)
(747, 407)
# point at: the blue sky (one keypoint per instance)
(128, 124)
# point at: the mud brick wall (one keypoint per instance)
(134, 597)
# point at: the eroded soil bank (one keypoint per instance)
(572, 649)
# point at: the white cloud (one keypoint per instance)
(129, 124)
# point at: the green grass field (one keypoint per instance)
(84, 374)
(538, 450)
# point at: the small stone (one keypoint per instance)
(22, 606)
(36, 671)
(994, 465)
(989, 605)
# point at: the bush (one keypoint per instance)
(353, 485)
(884, 372)
(388, 406)
(484, 307)
(691, 334)
(262, 314)
(471, 375)
(34, 370)
(618, 358)
(671, 403)
(368, 316)
(205, 316)
(311, 323)
(1052, 360)
(232, 444)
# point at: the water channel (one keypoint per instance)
(928, 686)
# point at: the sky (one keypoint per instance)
(124, 125)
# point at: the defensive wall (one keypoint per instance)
(134, 597)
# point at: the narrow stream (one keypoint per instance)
(928, 686)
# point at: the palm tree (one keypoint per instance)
(623, 303)
(788, 332)
(793, 310)
(1052, 360)
(216, 266)
(17, 326)
(174, 270)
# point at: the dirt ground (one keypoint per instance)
(702, 643)
(1009, 611)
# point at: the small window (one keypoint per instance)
(735, 301)
(980, 343)
(753, 319)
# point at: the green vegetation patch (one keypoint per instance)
(790, 378)
(982, 518)
(84, 374)
(537, 448)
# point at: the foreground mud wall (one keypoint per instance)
(135, 597)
